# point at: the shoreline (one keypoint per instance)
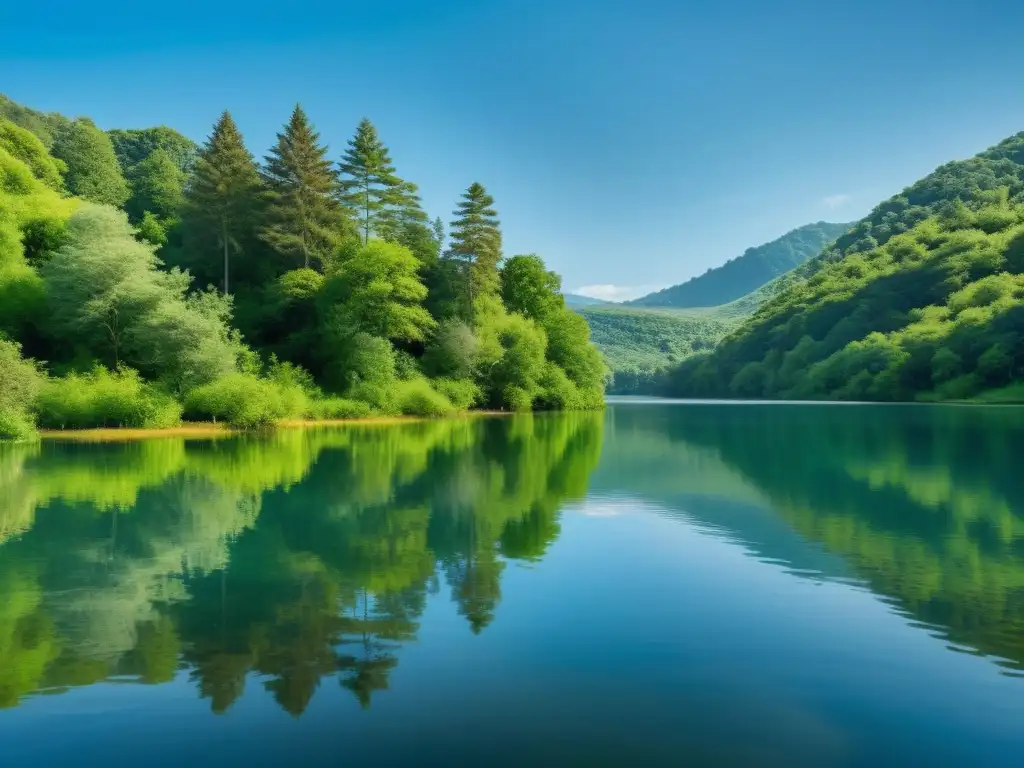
(208, 430)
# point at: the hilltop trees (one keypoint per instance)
(368, 178)
(222, 201)
(476, 242)
(305, 223)
(26, 147)
(157, 188)
(93, 172)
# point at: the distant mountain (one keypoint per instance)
(576, 301)
(744, 274)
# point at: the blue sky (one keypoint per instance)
(632, 144)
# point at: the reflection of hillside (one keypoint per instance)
(302, 555)
(644, 458)
(924, 503)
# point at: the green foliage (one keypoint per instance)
(461, 393)
(26, 147)
(512, 381)
(932, 308)
(368, 179)
(102, 398)
(639, 345)
(133, 146)
(246, 401)
(417, 398)
(152, 230)
(44, 125)
(337, 408)
(157, 187)
(744, 274)
(31, 216)
(108, 296)
(21, 380)
(304, 220)
(93, 172)
(528, 288)
(378, 291)
(475, 241)
(383, 204)
(82, 284)
(365, 367)
(221, 203)
(451, 351)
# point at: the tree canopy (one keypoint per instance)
(161, 281)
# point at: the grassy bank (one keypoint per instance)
(211, 430)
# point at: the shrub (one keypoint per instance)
(295, 387)
(104, 398)
(461, 393)
(16, 425)
(416, 398)
(558, 392)
(338, 408)
(517, 399)
(246, 401)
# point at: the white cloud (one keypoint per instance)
(610, 292)
(835, 201)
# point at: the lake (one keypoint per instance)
(660, 584)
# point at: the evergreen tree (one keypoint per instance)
(438, 228)
(476, 241)
(305, 219)
(368, 178)
(223, 196)
(401, 217)
(92, 168)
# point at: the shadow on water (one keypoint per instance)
(288, 559)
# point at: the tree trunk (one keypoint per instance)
(305, 248)
(366, 217)
(224, 237)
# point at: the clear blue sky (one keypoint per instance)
(631, 143)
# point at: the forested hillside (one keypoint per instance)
(641, 344)
(923, 299)
(144, 278)
(744, 274)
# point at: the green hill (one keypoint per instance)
(640, 344)
(744, 274)
(576, 301)
(922, 299)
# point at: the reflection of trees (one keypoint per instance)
(305, 554)
(925, 503)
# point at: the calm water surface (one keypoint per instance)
(661, 584)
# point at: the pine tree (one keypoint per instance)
(224, 194)
(368, 177)
(476, 241)
(438, 228)
(305, 219)
(401, 215)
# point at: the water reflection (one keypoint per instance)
(300, 556)
(925, 505)
(308, 558)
